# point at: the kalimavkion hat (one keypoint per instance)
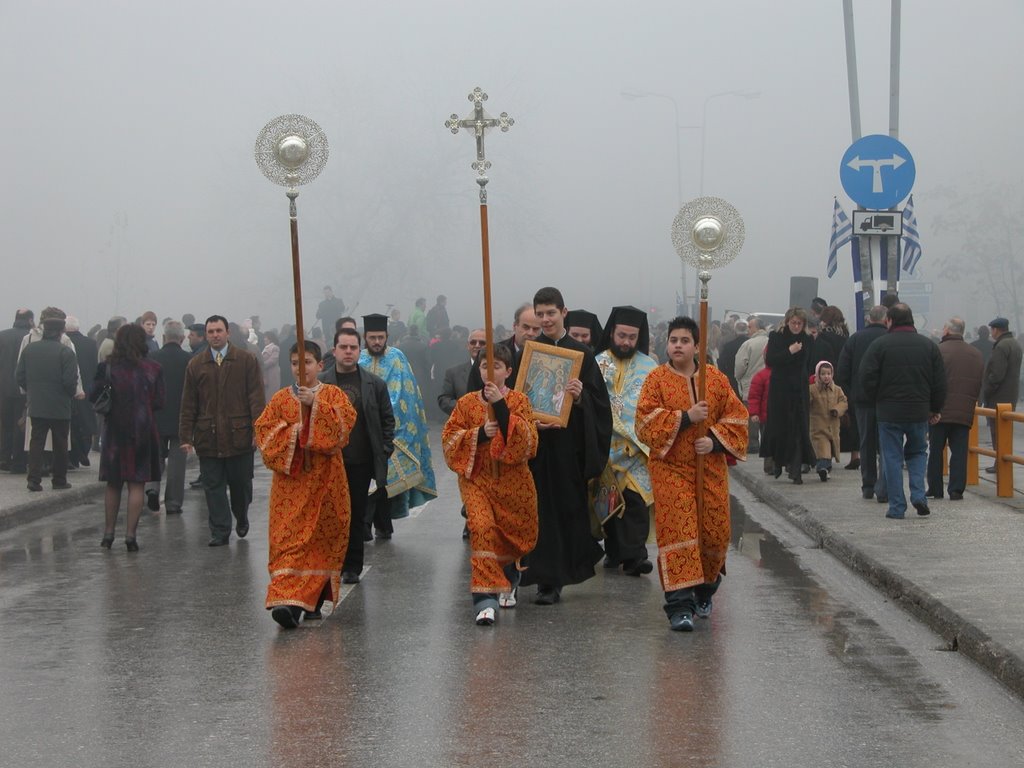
(1001, 323)
(374, 323)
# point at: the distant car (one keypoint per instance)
(769, 320)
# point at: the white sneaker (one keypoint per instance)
(485, 618)
(508, 599)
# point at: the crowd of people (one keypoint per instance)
(342, 421)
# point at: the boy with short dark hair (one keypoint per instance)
(488, 441)
(301, 433)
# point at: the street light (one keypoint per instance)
(631, 94)
(634, 94)
(743, 94)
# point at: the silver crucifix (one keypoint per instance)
(478, 122)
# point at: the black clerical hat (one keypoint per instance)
(627, 315)
(375, 322)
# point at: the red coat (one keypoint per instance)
(757, 396)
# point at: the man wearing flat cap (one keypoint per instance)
(48, 373)
(1002, 373)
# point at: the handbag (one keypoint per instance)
(104, 400)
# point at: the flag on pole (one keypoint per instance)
(842, 233)
(911, 238)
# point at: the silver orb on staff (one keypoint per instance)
(707, 233)
(478, 122)
(291, 150)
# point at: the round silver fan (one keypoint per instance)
(291, 150)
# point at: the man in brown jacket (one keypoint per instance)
(222, 397)
(964, 365)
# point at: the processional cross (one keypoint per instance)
(478, 123)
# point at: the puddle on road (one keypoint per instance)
(853, 638)
(47, 544)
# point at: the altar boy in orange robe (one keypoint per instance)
(691, 551)
(491, 459)
(309, 501)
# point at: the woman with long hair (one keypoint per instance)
(131, 445)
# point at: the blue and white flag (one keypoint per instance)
(842, 233)
(911, 238)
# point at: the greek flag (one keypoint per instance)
(911, 239)
(842, 233)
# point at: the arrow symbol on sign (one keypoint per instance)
(876, 165)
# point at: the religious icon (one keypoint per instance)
(544, 372)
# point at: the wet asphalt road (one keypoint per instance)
(167, 657)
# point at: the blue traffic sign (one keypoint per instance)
(877, 172)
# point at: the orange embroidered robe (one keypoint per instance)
(496, 485)
(309, 509)
(689, 555)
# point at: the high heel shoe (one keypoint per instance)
(107, 541)
(131, 544)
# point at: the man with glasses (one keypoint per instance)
(456, 378)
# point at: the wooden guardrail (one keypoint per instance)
(1002, 452)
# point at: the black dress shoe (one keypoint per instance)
(854, 464)
(777, 472)
(153, 500)
(349, 577)
(882, 499)
(84, 461)
(922, 508)
(954, 496)
(548, 595)
(35, 486)
(798, 480)
(217, 542)
(932, 495)
(173, 511)
(637, 567)
(242, 527)
(195, 484)
(383, 535)
(681, 622)
(62, 486)
(313, 615)
(867, 494)
(286, 615)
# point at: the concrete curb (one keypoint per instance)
(959, 633)
(50, 502)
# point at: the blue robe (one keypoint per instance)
(410, 473)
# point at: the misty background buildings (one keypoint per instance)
(129, 181)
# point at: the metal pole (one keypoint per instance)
(851, 69)
(894, 71)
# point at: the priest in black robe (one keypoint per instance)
(567, 458)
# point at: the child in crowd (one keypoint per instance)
(300, 434)
(828, 404)
(757, 404)
(490, 454)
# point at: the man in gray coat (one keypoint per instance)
(1002, 374)
(964, 367)
(48, 373)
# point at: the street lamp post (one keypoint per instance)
(634, 94)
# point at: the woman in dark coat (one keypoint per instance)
(832, 335)
(787, 439)
(131, 445)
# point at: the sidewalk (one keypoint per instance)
(959, 570)
(18, 505)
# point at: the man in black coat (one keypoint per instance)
(872, 471)
(370, 445)
(83, 417)
(173, 360)
(12, 400)
(904, 375)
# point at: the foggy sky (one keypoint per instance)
(130, 184)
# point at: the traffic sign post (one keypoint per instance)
(877, 172)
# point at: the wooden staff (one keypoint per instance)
(702, 393)
(485, 252)
(300, 333)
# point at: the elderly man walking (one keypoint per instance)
(174, 361)
(1002, 374)
(964, 368)
(904, 376)
(221, 399)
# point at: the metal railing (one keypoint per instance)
(1002, 452)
